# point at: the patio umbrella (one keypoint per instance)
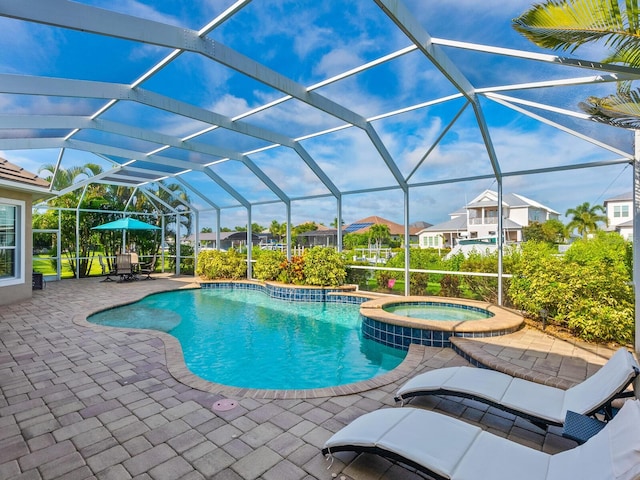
(126, 224)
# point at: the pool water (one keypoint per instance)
(243, 338)
(435, 311)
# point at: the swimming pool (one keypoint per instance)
(244, 338)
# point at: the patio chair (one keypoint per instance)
(148, 268)
(444, 447)
(123, 266)
(106, 271)
(541, 404)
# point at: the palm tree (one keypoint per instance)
(93, 198)
(585, 218)
(378, 233)
(65, 177)
(278, 230)
(568, 24)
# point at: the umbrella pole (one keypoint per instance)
(124, 241)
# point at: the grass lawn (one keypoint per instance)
(44, 264)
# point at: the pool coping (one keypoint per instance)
(178, 368)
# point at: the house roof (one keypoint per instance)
(511, 200)
(17, 178)
(211, 236)
(457, 223)
(623, 197)
(460, 223)
(324, 232)
(365, 224)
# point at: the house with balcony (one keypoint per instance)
(619, 211)
(477, 221)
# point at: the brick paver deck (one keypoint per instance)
(80, 401)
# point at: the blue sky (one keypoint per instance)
(308, 42)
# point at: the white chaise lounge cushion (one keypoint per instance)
(424, 437)
(614, 453)
(617, 372)
(454, 449)
(531, 398)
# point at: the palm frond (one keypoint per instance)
(627, 53)
(620, 110)
(567, 24)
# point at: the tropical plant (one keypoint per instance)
(378, 234)
(568, 24)
(293, 270)
(486, 287)
(93, 198)
(585, 218)
(324, 267)
(588, 289)
(215, 264)
(278, 230)
(357, 276)
(552, 231)
(61, 178)
(268, 265)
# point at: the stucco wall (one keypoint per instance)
(20, 291)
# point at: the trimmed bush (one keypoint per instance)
(213, 264)
(357, 276)
(323, 267)
(269, 265)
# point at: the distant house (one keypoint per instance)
(18, 190)
(227, 240)
(479, 220)
(321, 237)
(395, 229)
(619, 211)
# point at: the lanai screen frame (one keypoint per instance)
(75, 16)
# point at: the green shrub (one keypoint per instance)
(589, 289)
(269, 265)
(382, 279)
(214, 264)
(323, 267)
(539, 282)
(486, 288)
(450, 286)
(357, 276)
(418, 283)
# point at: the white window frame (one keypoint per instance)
(18, 278)
(621, 211)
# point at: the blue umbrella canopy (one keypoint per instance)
(126, 224)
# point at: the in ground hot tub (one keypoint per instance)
(430, 321)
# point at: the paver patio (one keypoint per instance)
(80, 402)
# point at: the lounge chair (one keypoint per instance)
(148, 268)
(124, 268)
(448, 448)
(542, 404)
(106, 271)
